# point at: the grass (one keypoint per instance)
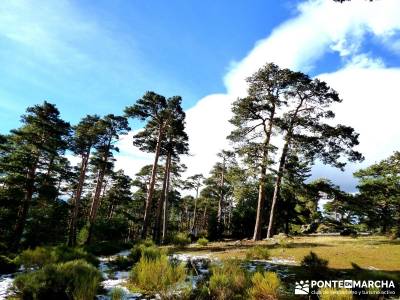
(369, 252)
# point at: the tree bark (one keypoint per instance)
(151, 185)
(195, 210)
(221, 199)
(23, 211)
(165, 219)
(281, 168)
(263, 175)
(160, 203)
(76, 201)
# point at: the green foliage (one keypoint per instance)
(71, 280)
(335, 294)
(146, 249)
(122, 262)
(228, 281)
(35, 258)
(7, 265)
(202, 241)
(265, 286)
(314, 263)
(157, 275)
(257, 252)
(181, 239)
(40, 256)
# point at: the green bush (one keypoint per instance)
(76, 280)
(157, 275)
(82, 279)
(335, 294)
(202, 241)
(314, 263)
(7, 265)
(257, 252)
(265, 286)
(106, 247)
(40, 256)
(181, 239)
(35, 258)
(145, 249)
(228, 281)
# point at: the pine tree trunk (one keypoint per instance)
(76, 201)
(277, 187)
(263, 175)
(160, 203)
(165, 215)
(150, 191)
(195, 211)
(23, 211)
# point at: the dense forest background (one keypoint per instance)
(258, 188)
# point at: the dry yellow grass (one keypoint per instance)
(373, 252)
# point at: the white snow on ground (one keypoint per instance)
(5, 283)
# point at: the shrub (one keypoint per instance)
(117, 294)
(106, 247)
(41, 256)
(181, 239)
(72, 280)
(202, 241)
(157, 275)
(64, 254)
(265, 286)
(145, 249)
(335, 294)
(257, 252)
(228, 281)
(7, 265)
(35, 258)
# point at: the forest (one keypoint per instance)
(58, 218)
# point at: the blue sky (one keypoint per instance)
(99, 56)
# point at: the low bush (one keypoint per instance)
(7, 265)
(76, 279)
(35, 258)
(202, 241)
(157, 275)
(145, 249)
(265, 286)
(335, 294)
(228, 281)
(181, 239)
(40, 256)
(257, 252)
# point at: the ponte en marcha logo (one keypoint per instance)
(305, 287)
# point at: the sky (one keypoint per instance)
(92, 57)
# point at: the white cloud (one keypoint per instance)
(368, 89)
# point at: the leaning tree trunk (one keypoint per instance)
(165, 219)
(263, 175)
(95, 203)
(281, 167)
(150, 191)
(76, 201)
(160, 203)
(277, 187)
